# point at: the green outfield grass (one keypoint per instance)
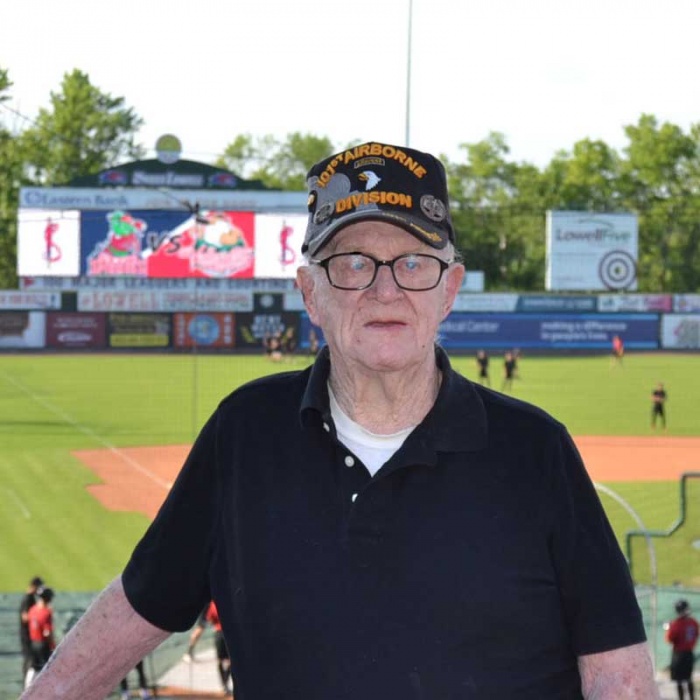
(51, 405)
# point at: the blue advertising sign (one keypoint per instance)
(556, 331)
(545, 303)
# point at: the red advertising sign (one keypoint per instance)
(75, 330)
(214, 330)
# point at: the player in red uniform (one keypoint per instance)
(40, 621)
(618, 350)
(28, 601)
(682, 633)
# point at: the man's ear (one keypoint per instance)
(306, 283)
(453, 283)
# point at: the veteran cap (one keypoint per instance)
(375, 181)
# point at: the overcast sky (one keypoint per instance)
(545, 73)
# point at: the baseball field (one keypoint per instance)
(91, 444)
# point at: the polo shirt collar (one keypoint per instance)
(456, 422)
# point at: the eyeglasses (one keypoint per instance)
(414, 272)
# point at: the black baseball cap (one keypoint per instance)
(45, 594)
(682, 607)
(37, 581)
(379, 182)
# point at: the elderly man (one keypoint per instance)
(377, 526)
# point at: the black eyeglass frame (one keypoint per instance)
(325, 262)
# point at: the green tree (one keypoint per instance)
(659, 180)
(85, 131)
(280, 164)
(5, 85)
(497, 215)
(586, 179)
(10, 178)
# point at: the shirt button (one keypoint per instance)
(326, 427)
(354, 497)
(349, 461)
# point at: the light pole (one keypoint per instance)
(407, 139)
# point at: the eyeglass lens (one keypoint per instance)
(356, 271)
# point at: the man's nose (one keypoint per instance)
(385, 285)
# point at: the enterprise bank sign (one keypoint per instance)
(591, 252)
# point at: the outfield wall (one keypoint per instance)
(230, 319)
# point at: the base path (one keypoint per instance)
(139, 478)
(654, 458)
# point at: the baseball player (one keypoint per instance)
(682, 634)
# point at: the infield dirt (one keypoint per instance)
(139, 478)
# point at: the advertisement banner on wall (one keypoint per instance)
(138, 330)
(278, 240)
(686, 303)
(163, 300)
(473, 281)
(294, 301)
(643, 303)
(268, 302)
(48, 242)
(12, 300)
(680, 331)
(168, 244)
(544, 303)
(485, 302)
(76, 330)
(588, 251)
(253, 328)
(22, 330)
(153, 197)
(73, 284)
(582, 331)
(203, 330)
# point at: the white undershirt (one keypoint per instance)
(373, 449)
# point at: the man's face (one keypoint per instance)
(382, 328)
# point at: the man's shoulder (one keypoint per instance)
(268, 391)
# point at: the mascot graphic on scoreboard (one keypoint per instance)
(210, 243)
(120, 252)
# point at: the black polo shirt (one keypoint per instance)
(476, 563)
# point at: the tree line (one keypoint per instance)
(499, 206)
